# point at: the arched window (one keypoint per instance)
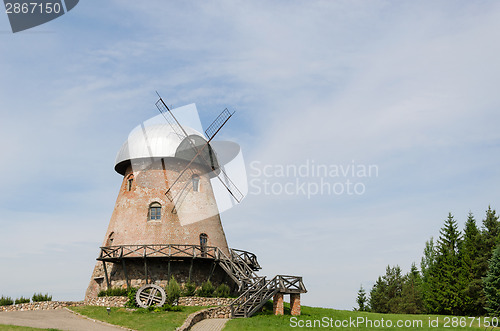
(203, 239)
(111, 237)
(154, 213)
(130, 182)
(196, 182)
(203, 244)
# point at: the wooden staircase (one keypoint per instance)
(240, 266)
(256, 290)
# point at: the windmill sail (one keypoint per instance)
(199, 153)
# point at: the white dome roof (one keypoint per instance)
(152, 141)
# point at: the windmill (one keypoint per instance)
(147, 243)
(195, 149)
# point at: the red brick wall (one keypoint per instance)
(194, 213)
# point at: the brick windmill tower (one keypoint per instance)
(166, 220)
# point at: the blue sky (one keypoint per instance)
(410, 87)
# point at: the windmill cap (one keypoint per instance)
(159, 141)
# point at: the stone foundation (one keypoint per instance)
(107, 301)
(158, 273)
(199, 301)
(45, 305)
(183, 301)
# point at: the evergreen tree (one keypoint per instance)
(394, 281)
(412, 302)
(362, 300)
(492, 284)
(385, 296)
(378, 297)
(444, 283)
(489, 233)
(491, 229)
(427, 263)
(473, 285)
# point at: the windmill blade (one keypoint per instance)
(218, 123)
(187, 168)
(170, 118)
(210, 132)
(229, 185)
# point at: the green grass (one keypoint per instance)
(267, 321)
(140, 319)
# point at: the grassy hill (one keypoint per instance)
(330, 319)
(311, 318)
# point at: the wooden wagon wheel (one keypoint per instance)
(150, 295)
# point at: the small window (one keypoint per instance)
(203, 240)
(154, 211)
(130, 182)
(111, 238)
(196, 183)
(203, 244)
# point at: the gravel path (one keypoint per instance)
(59, 319)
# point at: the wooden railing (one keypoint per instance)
(256, 295)
(240, 266)
(115, 253)
(247, 257)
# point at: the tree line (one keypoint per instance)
(459, 274)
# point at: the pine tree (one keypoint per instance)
(492, 284)
(489, 233)
(444, 280)
(429, 258)
(473, 285)
(411, 294)
(378, 297)
(385, 296)
(427, 265)
(394, 281)
(362, 300)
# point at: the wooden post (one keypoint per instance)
(146, 270)
(190, 269)
(212, 269)
(168, 272)
(108, 286)
(126, 275)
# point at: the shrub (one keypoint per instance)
(113, 292)
(167, 307)
(6, 301)
(155, 309)
(131, 303)
(222, 291)
(22, 300)
(173, 291)
(206, 290)
(189, 289)
(38, 297)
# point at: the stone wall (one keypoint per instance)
(199, 301)
(217, 312)
(159, 273)
(107, 301)
(44, 305)
(183, 301)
